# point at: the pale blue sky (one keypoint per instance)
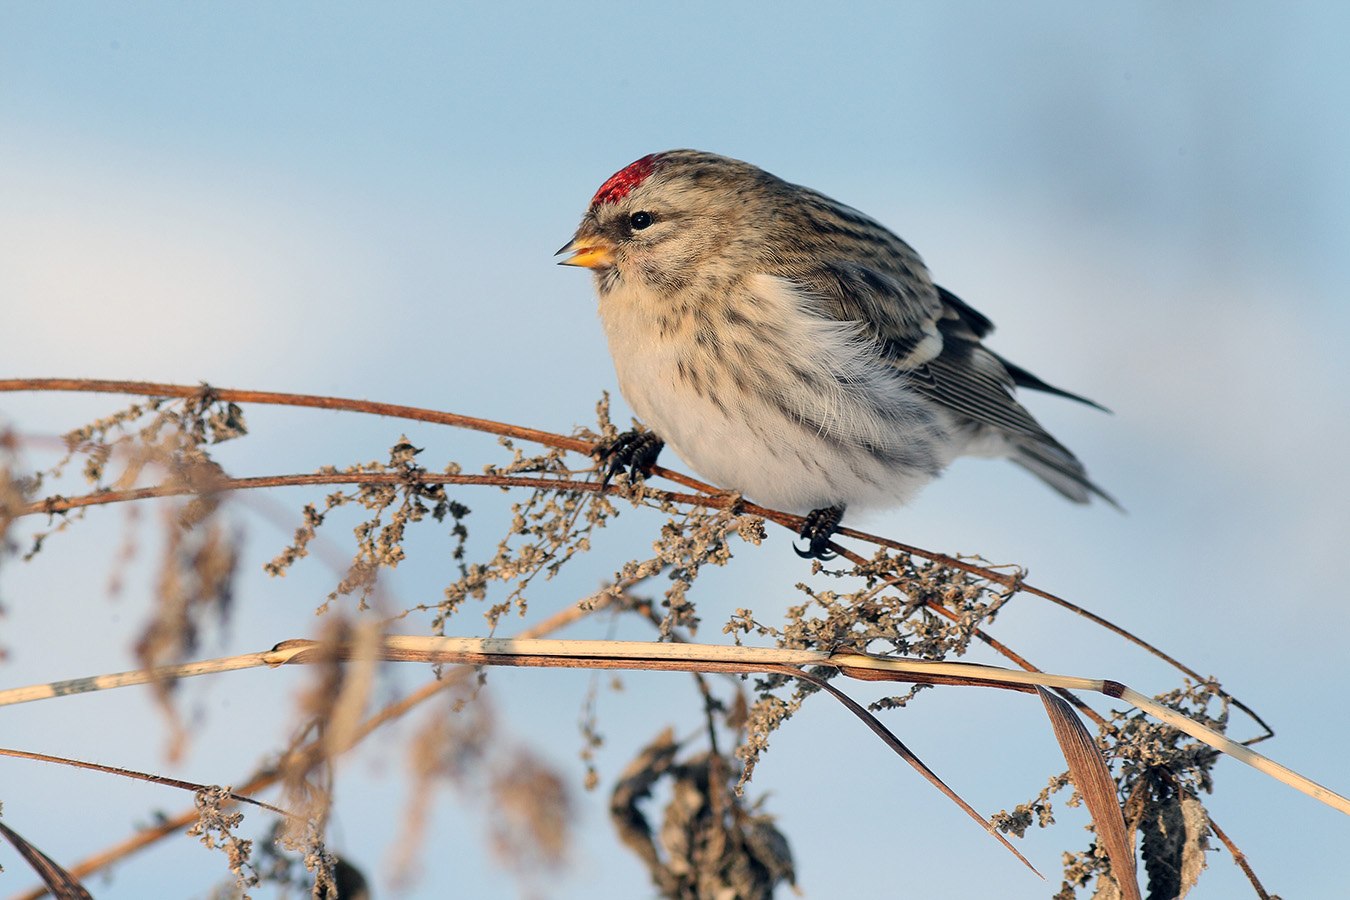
(1152, 201)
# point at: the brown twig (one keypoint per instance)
(1240, 859)
(989, 640)
(139, 776)
(311, 401)
(708, 496)
(1014, 583)
(268, 776)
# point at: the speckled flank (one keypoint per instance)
(623, 181)
(793, 349)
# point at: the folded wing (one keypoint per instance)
(934, 338)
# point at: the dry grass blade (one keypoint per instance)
(1094, 782)
(1237, 751)
(692, 658)
(859, 665)
(708, 495)
(268, 775)
(138, 776)
(136, 676)
(203, 414)
(58, 881)
(908, 756)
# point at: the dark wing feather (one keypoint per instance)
(923, 335)
(934, 337)
(903, 312)
(969, 379)
(979, 325)
(1022, 378)
(1052, 462)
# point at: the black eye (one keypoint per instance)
(640, 220)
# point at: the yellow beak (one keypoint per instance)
(596, 254)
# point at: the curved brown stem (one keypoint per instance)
(312, 401)
(269, 774)
(1240, 859)
(709, 495)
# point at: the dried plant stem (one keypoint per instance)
(643, 655)
(1092, 777)
(54, 505)
(274, 398)
(137, 676)
(709, 495)
(1240, 859)
(133, 774)
(989, 640)
(268, 776)
(58, 504)
(1015, 583)
(908, 756)
(973, 673)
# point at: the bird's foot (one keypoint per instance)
(633, 450)
(819, 527)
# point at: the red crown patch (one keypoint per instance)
(622, 182)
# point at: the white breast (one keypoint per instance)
(793, 410)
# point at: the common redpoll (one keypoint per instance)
(791, 348)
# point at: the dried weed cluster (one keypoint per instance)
(711, 840)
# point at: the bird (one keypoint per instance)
(791, 348)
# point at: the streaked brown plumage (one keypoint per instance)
(792, 348)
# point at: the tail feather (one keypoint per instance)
(1022, 378)
(1059, 468)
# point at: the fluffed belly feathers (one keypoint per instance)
(762, 397)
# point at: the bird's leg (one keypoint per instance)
(633, 450)
(819, 527)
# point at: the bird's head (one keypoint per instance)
(670, 218)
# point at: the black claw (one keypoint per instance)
(824, 556)
(633, 450)
(819, 527)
